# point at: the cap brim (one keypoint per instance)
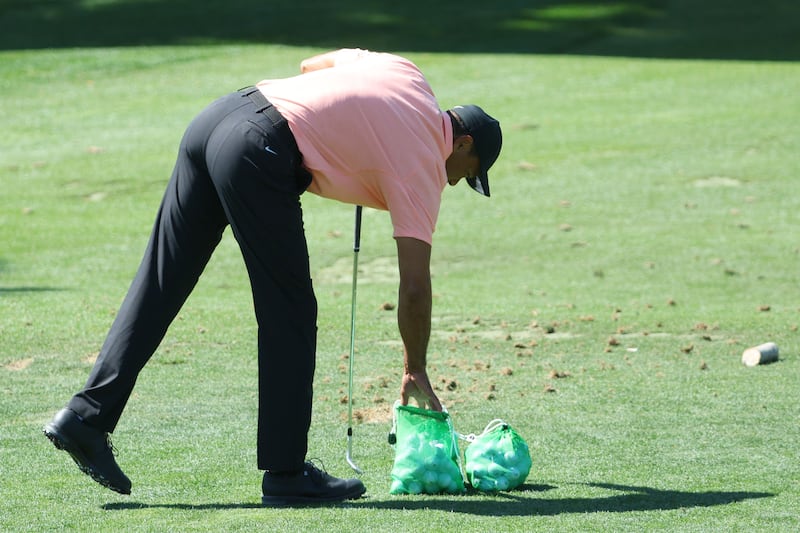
(480, 184)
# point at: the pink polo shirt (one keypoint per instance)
(371, 133)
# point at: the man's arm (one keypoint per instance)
(414, 320)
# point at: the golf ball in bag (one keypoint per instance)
(497, 462)
(426, 468)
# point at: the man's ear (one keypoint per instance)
(463, 142)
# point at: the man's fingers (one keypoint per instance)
(418, 386)
(435, 404)
(432, 402)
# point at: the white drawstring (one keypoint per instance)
(491, 426)
(494, 424)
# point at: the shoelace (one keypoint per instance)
(110, 445)
(317, 472)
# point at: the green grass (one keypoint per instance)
(712, 29)
(641, 234)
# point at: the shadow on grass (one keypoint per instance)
(718, 29)
(519, 502)
(24, 289)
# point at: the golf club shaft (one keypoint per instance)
(356, 248)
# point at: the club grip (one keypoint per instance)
(357, 237)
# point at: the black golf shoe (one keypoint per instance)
(90, 448)
(311, 486)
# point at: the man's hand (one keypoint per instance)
(418, 386)
(318, 62)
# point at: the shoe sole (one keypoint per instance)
(289, 501)
(65, 444)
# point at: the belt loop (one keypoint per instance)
(256, 97)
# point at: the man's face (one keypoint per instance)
(463, 162)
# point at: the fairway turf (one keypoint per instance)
(642, 232)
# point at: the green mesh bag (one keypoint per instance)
(497, 459)
(427, 459)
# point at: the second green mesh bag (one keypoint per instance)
(497, 459)
(426, 457)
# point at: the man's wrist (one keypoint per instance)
(414, 368)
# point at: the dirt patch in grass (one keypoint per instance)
(19, 364)
(378, 270)
(381, 414)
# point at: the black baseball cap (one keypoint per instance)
(488, 139)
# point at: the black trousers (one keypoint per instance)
(238, 165)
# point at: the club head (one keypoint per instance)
(349, 456)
